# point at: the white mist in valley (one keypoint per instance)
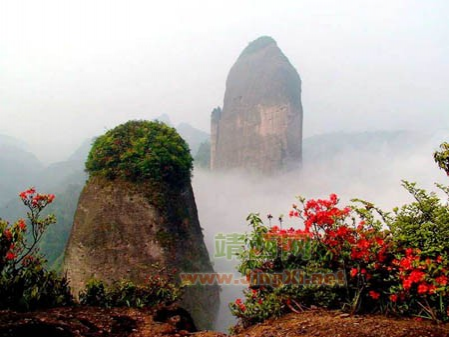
(225, 199)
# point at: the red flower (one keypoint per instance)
(409, 252)
(393, 297)
(10, 255)
(342, 231)
(293, 214)
(432, 289)
(416, 276)
(374, 295)
(407, 284)
(423, 288)
(333, 198)
(361, 225)
(363, 244)
(353, 272)
(406, 263)
(442, 280)
(21, 224)
(24, 195)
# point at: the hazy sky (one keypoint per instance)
(73, 69)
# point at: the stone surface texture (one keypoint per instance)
(121, 229)
(259, 128)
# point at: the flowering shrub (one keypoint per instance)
(357, 258)
(24, 282)
(261, 303)
(421, 265)
(160, 288)
(258, 306)
(422, 287)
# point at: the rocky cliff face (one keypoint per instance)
(260, 126)
(119, 234)
(137, 210)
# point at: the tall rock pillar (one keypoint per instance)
(260, 127)
(137, 210)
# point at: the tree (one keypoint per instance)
(442, 157)
(202, 158)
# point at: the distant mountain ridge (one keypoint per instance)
(328, 145)
(18, 167)
(193, 136)
(8, 140)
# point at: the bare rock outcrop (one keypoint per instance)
(124, 226)
(259, 128)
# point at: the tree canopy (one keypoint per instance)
(141, 151)
(442, 157)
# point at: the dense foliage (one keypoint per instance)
(356, 258)
(442, 157)
(25, 284)
(202, 158)
(159, 289)
(424, 223)
(139, 151)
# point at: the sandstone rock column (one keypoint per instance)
(260, 127)
(138, 209)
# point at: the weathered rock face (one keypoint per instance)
(260, 126)
(121, 228)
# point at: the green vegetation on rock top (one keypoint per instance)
(141, 151)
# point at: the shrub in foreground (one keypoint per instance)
(25, 283)
(159, 289)
(356, 258)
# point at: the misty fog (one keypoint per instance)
(71, 70)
